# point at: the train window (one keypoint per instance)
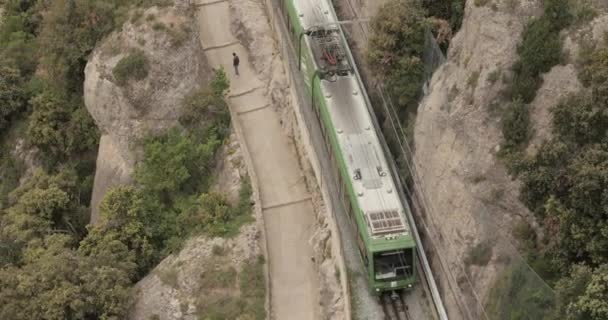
(393, 265)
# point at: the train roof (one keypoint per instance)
(359, 143)
(364, 157)
(314, 13)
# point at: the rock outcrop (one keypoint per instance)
(474, 203)
(175, 289)
(127, 113)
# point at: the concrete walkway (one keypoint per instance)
(286, 204)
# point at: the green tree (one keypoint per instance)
(43, 205)
(49, 118)
(60, 128)
(212, 212)
(595, 74)
(17, 45)
(587, 199)
(449, 10)
(13, 95)
(583, 295)
(516, 124)
(125, 220)
(594, 302)
(558, 13)
(581, 120)
(56, 282)
(396, 47)
(175, 163)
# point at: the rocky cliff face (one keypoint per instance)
(127, 113)
(473, 201)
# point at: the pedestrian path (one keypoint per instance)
(286, 203)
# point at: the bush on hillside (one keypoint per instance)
(595, 74)
(13, 95)
(449, 10)
(205, 112)
(396, 48)
(132, 67)
(398, 32)
(404, 83)
(558, 14)
(582, 295)
(539, 51)
(581, 120)
(176, 163)
(541, 48)
(59, 128)
(516, 124)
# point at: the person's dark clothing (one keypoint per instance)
(235, 63)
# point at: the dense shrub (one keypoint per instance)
(205, 111)
(558, 13)
(396, 48)
(580, 120)
(449, 10)
(47, 270)
(59, 127)
(58, 282)
(175, 163)
(595, 74)
(132, 67)
(398, 32)
(404, 83)
(13, 94)
(516, 123)
(539, 51)
(124, 214)
(18, 45)
(583, 295)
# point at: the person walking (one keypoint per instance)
(235, 63)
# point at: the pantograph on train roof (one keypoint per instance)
(328, 51)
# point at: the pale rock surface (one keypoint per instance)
(160, 299)
(126, 114)
(558, 84)
(472, 198)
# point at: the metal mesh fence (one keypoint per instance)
(517, 293)
(432, 57)
(365, 305)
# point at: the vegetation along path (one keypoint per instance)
(286, 203)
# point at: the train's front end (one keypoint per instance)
(392, 265)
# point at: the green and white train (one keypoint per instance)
(384, 237)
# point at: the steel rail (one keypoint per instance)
(437, 300)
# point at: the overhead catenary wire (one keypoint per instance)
(413, 169)
(437, 300)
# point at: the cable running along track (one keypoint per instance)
(393, 303)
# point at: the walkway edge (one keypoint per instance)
(236, 124)
(313, 157)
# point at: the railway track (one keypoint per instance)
(394, 306)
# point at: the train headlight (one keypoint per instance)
(409, 285)
(377, 289)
